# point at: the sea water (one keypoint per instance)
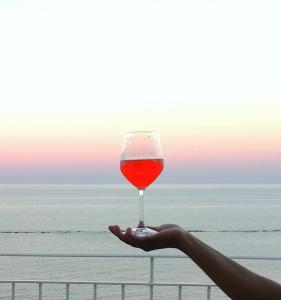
(71, 219)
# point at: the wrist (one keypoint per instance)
(184, 240)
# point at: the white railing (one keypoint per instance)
(151, 283)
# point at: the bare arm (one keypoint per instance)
(235, 280)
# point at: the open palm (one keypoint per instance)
(167, 236)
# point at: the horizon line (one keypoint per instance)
(156, 184)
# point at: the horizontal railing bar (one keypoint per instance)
(82, 255)
(113, 255)
(257, 257)
(108, 283)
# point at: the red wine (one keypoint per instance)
(141, 172)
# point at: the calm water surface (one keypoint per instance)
(235, 219)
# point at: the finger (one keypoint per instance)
(129, 231)
(115, 229)
(133, 239)
(154, 228)
(110, 227)
(140, 241)
(130, 238)
(167, 226)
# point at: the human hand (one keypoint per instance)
(167, 236)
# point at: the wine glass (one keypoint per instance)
(141, 163)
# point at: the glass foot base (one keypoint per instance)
(143, 231)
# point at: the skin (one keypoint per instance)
(235, 280)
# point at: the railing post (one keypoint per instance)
(67, 291)
(40, 291)
(208, 293)
(151, 278)
(13, 291)
(123, 291)
(180, 292)
(95, 291)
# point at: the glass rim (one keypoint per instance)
(143, 131)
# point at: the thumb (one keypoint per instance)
(154, 228)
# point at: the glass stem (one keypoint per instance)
(141, 208)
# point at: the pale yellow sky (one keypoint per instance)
(84, 73)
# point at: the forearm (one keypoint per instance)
(236, 281)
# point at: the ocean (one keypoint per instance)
(71, 219)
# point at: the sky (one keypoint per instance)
(75, 76)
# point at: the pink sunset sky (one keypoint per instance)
(71, 88)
